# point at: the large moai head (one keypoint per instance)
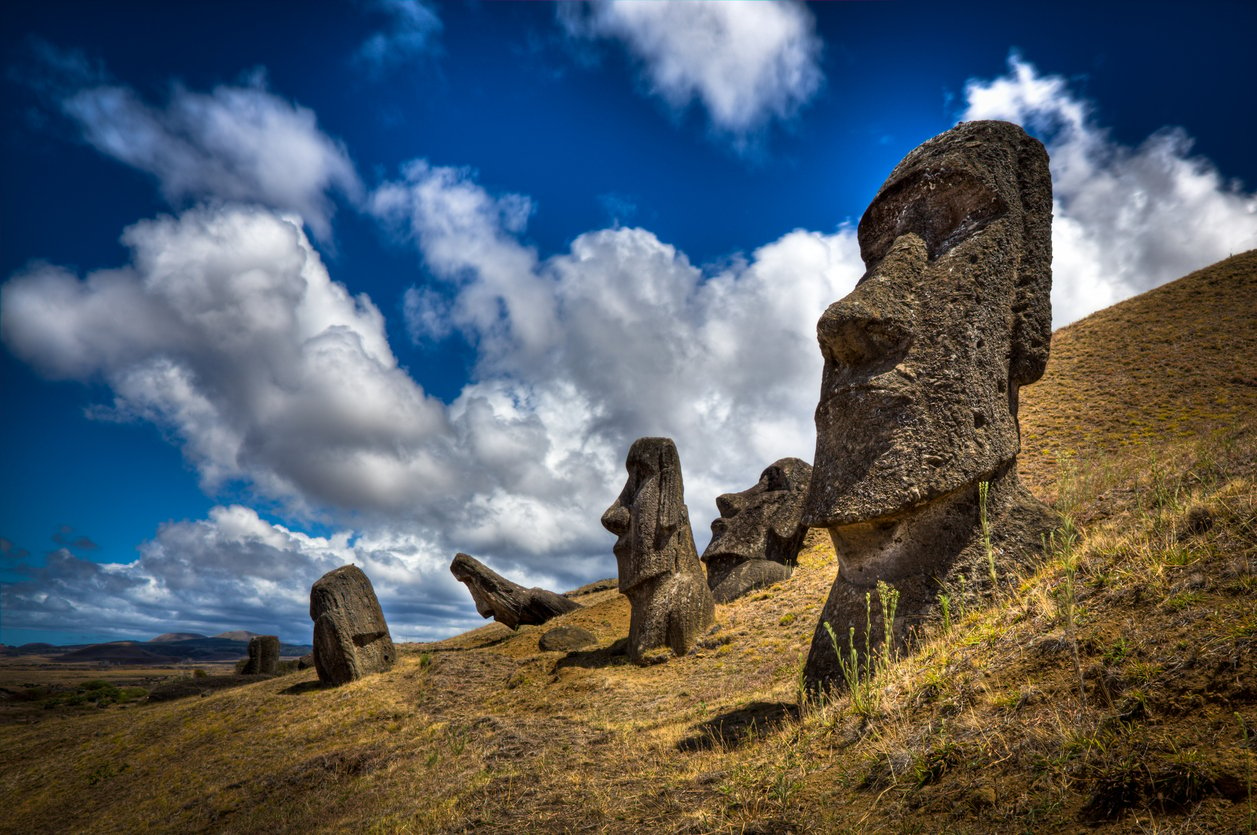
(924, 358)
(654, 552)
(916, 429)
(650, 519)
(757, 536)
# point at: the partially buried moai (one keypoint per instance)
(263, 656)
(654, 550)
(757, 538)
(351, 639)
(923, 361)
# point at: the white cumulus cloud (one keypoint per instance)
(227, 331)
(619, 337)
(234, 570)
(239, 143)
(747, 62)
(1126, 219)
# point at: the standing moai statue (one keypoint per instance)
(654, 551)
(757, 538)
(506, 602)
(923, 361)
(351, 639)
(263, 656)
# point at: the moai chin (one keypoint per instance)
(923, 361)
(756, 540)
(654, 549)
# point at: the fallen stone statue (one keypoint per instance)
(916, 431)
(506, 602)
(757, 538)
(654, 549)
(351, 639)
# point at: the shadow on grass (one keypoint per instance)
(304, 687)
(593, 659)
(729, 730)
(182, 688)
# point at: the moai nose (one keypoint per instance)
(854, 333)
(616, 519)
(873, 323)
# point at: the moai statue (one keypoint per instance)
(654, 551)
(757, 538)
(506, 602)
(923, 363)
(263, 656)
(351, 639)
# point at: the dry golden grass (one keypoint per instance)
(989, 727)
(1170, 364)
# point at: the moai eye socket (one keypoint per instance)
(774, 479)
(943, 207)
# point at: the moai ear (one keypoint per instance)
(1032, 306)
(671, 512)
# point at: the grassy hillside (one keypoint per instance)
(1114, 687)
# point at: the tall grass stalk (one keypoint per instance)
(984, 493)
(888, 596)
(1063, 546)
(859, 670)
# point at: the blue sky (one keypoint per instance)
(284, 286)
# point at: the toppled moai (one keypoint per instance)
(506, 602)
(757, 538)
(654, 550)
(923, 361)
(351, 639)
(263, 656)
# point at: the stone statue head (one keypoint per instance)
(649, 519)
(761, 522)
(924, 358)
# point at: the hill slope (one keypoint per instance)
(1115, 687)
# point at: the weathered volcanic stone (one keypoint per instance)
(923, 363)
(757, 538)
(566, 639)
(351, 639)
(506, 602)
(654, 551)
(263, 656)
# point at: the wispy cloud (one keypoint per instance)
(412, 29)
(746, 62)
(237, 143)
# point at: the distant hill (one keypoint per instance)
(237, 635)
(179, 636)
(171, 648)
(122, 652)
